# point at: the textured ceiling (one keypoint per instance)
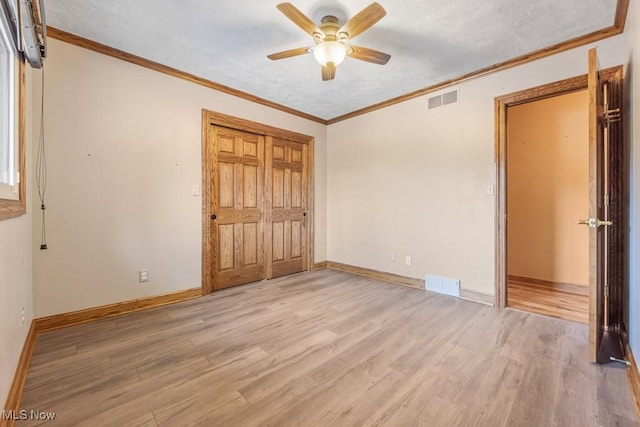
(430, 41)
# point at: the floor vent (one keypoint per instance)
(442, 285)
(443, 99)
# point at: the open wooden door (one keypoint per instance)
(605, 222)
(617, 210)
(597, 258)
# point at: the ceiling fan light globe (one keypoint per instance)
(327, 52)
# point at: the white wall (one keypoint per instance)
(15, 279)
(405, 180)
(15, 292)
(123, 151)
(632, 77)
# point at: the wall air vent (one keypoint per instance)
(450, 97)
(435, 101)
(443, 99)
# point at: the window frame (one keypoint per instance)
(11, 208)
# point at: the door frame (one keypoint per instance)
(501, 104)
(212, 118)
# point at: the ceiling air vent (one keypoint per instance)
(443, 99)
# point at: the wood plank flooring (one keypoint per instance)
(547, 300)
(325, 348)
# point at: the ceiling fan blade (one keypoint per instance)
(328, 72)
(363, 20)
(289, 53)
(299, 18)
(369, 55)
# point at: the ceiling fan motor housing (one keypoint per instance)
(329, 26)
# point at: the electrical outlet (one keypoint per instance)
(407, 260)
(143, 276)
(393, 257)
(22, 316)
(195, 190)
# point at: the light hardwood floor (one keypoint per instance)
(547, 300)
(325, 348)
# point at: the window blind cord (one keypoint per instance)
(41, 169)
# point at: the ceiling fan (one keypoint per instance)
(331, 40)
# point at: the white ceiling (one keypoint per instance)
(430, 41)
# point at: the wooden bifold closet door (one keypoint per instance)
(286, 243)
(237, 206)
(258, 207)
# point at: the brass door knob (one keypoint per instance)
(594, 222)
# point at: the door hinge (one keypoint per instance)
(611, 116)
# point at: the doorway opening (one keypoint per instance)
(547, 173)
(525, 286)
